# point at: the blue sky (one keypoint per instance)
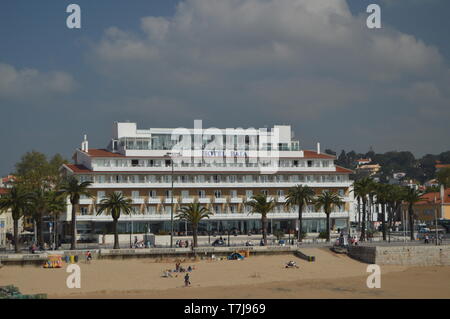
(230, 63)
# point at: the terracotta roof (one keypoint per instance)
(442, 165)
(341, 169)
(313, 154)
(95, 152)
(78, 168)
(429, 198)
(3, 191)
(8, 178)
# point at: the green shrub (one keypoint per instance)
(323, 235)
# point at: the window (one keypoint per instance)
(265, 192)
(217, 193)
(101, 194)
(168, 193)
(232, 178)
(83, 210)
(248, 193)
(201, 194)
(152, 193)
(184, 194)
(135, 194)
(280, 193)
(341, 192)
(168, 163)
(233, 193)
(310, 163)
(134, 163)
(216, 178)
(295, 163)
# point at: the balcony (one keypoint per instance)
(187, 200)
(168, 200)
(281, 199)
(220, 200)
(154, 200)
(85, 201)
(204, 200)
(138, 200)
(236, 200)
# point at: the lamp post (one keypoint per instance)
(435, 221)
(171, 155)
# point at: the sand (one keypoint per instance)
(331, 276)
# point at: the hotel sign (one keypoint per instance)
(225, 153)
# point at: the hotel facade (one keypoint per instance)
(161, 168)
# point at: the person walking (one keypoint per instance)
(187, 281)
(88, 257)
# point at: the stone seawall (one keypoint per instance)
(402, 255)
(39, 259)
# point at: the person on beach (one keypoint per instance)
(88, 257)
(187, 281)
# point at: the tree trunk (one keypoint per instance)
(359, 213)
(16, 235)
(363, 226)
(73, 228)
(264, 227)
(383, 221)
(116, 234)
(390, 214)
(39, 235)
(194, 234)
(328, 227)
(300, 222)
(411, 221)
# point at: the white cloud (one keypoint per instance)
(287, 55)
(29, 84)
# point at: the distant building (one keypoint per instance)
(431, 183)
(368, 169)
(431, 205)
(363, 161)
(440, 166)
(398, 175)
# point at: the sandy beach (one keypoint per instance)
(331, 276)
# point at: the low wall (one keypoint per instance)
(38, 259)
(403, 255)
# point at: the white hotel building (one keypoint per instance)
(136, 163)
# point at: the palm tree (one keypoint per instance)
(412, 196)
(443, 177)
(300, 196)
(327, 200)
(17, 201)
(113, 205)
(394, 200)
(382, 192)
(362, 189)
(193, 213)
(56, 204)
(260, 205)
(74, 189)
(37, 211)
